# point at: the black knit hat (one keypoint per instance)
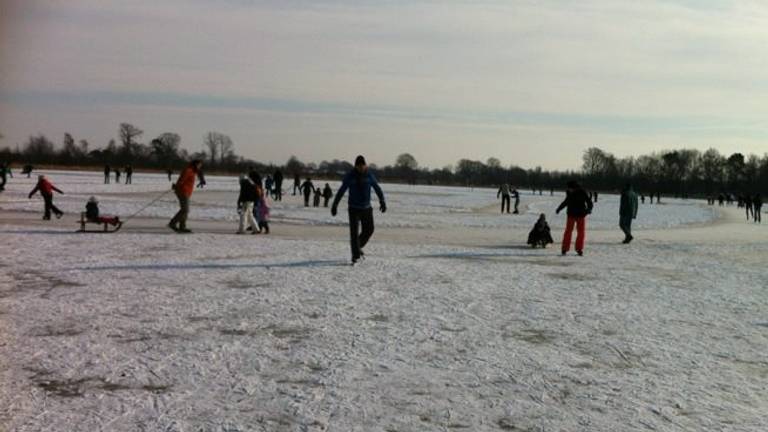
(360, 160)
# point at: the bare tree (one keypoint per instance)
(213, 141)
(128, 134)
(226, 148)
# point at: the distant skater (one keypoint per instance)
(201, 179)
(117, 175)
(4, 171)
(107, 172)
(327, 194)
(757, 207)
(269, 183)
(627, 211)
(748, 206)
(579, 206)
(245, 205)
(278, 177)
(262, 211)
(359, 181)
(505, 197)
(296, 184)
(540, 234)
(46, 189)
(128, 174)
(170, 174)
(27, 169)
(307, 188)
(316, 198)
(516, 195)
(183, 189)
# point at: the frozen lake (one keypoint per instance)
(450, 324)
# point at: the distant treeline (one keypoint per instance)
(678, 172)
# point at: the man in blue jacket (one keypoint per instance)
(359, 182)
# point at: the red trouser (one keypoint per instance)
(581, 225)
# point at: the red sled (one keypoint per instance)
(114, 221)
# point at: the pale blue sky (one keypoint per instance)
(530, 82)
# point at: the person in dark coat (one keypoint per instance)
(296, 184)
(27, 170)
(627, 211)
(747, 200)
(255, 177)
(757, 207)
(4, 170)
(92, 213)
(46, 189)
(516, 195)
(117, 175)
(107, 172)
(578, 207)
(307, 188)
(504, 193)
(327, 194)
(316, 198)
(246, 202)
(201, 179)
(359, 181)
(278, 178)
(170, 174)
(540, 234)
(128, 174)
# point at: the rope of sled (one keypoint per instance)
(149, 204)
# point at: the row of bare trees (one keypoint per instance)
(162, 152)
(677, 172)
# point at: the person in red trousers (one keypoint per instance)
(578, 207)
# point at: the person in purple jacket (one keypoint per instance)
(359, 181)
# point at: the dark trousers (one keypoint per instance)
(757, 211)
(106, 178)
(181, 216)
(306, 199)
(128, 179)
(49, 207)
(504, 202)
(625, 223)
(357, 239)
(517, 203)
(278, 193)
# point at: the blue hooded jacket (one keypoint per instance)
(359, 186)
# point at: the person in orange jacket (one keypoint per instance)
(183, 188)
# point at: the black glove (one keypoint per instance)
(333, 211)
(383, 207)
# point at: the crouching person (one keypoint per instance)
(540, 235)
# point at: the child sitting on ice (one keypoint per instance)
(539, 235)
(92, 213)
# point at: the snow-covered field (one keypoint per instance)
(209, 332)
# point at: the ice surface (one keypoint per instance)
(210, 332)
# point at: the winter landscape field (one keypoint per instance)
(450, 324)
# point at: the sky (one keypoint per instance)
(532, 83)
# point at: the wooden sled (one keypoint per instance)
(84, 221)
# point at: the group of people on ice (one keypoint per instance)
(128, 169)
(578, 205)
